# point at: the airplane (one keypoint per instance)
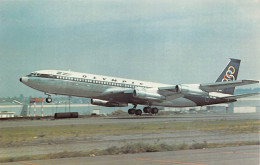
(119, 92)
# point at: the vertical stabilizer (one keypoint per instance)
(230, 74)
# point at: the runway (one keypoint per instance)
(128, 119)
(240, 155)
(87, 134)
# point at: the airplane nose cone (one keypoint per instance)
(24, 79)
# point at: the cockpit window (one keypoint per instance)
(33, 74)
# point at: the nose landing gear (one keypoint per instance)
(48, 99)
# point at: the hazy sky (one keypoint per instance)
(167, 41)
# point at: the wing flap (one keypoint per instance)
(170, 92)
(214, 87)
(168, 88)
(240, 96)
(167, 91)
(174, 96)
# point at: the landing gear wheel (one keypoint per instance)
(154, 110)
(147, 109)
(131, 111)
(48, 100)
(138, 112)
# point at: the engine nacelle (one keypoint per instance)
(107, 103)
(147, 94)
(192, 89)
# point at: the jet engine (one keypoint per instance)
(147, 94)
(107, 103)
(191, 89)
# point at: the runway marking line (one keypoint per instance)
(244, 153)
(230, 152)
(160, 161)
(28, 163)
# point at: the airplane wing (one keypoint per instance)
(113, 97)
(214, 87)
(120, 94)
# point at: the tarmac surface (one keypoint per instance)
(127, 119)
(230, 155)
(240, 155)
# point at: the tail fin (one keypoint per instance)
(230, 74)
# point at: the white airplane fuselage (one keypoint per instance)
(119, 92)
(95, 86)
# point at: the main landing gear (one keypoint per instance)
(133, 110)
(138, 112)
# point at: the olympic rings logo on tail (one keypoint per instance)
(229, 74)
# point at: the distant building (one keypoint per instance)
(5, 114)
(96, 111)
(247, 105)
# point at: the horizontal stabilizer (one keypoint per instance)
(240, 96)
(214, 87)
